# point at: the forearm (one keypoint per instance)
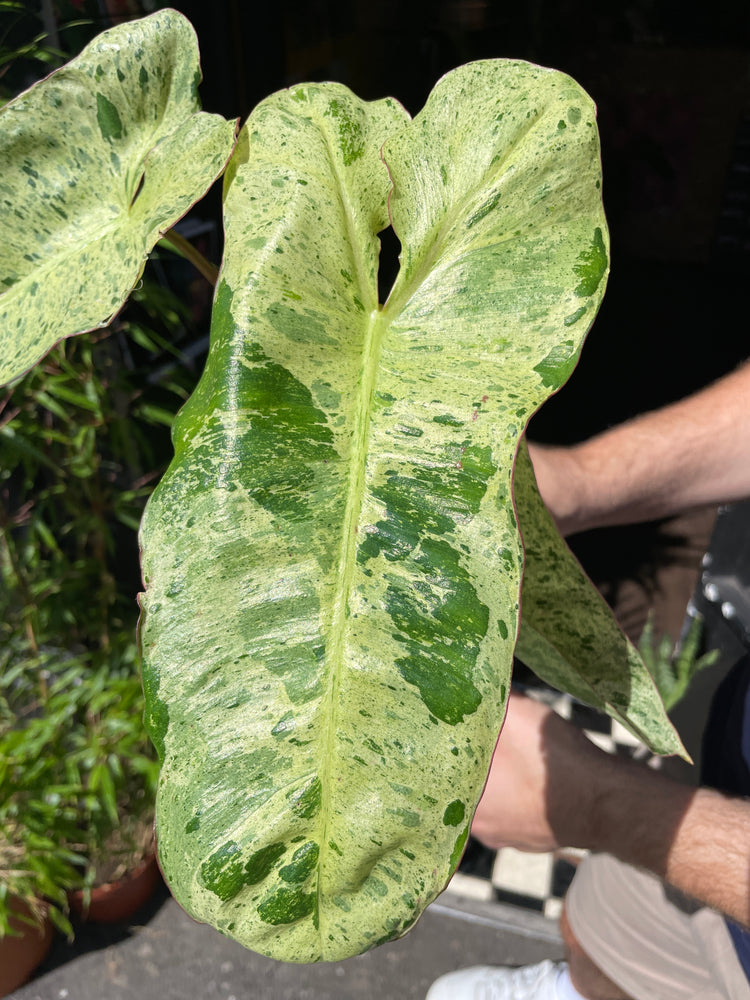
(550, 787)
(698, 840)
(694, 452)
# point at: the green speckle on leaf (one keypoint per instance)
(454, 813)
(194, 824)
(440, 628)
(286, 725)
(408, 817)
(484, 209)
(222, 872)
(108, 118)
(302, 864)
(260, 864)
(225, 875)
(458, 847)
(575, 316)
(375, 886)
(156, 715)
(286, 906)
(557, 367)
(591, 265)
(306, 801)
(351, 138)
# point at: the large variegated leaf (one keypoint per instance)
(332, 563)
(568, 635)
(96, 162)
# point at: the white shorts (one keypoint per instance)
(650, 941)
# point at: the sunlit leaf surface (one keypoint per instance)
(332, 563)
(96, 162)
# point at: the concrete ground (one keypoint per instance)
(164, 955)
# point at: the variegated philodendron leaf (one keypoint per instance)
(96, 162)
(568, 636)
(332, 563)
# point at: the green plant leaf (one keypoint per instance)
(568, 636)
(98, 161)
(332, 563)
(674, 666)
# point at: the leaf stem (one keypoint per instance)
(209, 271)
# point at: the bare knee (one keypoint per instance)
(587, 977)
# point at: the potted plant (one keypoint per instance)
(118, 775)
(38, 828)
(78, 775)
(33, 873)
(77, 787)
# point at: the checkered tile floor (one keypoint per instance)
(539, 881)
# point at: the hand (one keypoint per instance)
(543, 783)
(550, 787)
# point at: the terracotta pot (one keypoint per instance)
(19, 956)
(118, 900)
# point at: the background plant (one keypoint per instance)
(83, 438)
(26, 50)
(673, 665)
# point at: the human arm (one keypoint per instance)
(550, 787)
(693, 452)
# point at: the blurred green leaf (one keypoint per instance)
(674, 666)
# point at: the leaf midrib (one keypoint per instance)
(347, 553)
(379, 320)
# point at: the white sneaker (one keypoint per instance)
(487, 982)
